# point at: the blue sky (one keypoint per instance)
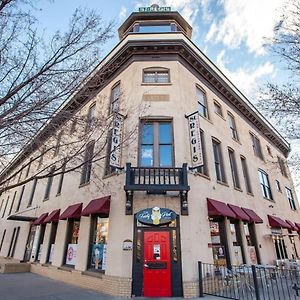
(230, 32)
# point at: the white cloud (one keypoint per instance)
(246, 21)
(122, 13)
(245, 79)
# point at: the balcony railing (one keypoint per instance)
(152, 179)
(156, 181)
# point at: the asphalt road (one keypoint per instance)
(31, 286)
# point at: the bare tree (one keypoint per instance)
(36, 76)
(282, 102)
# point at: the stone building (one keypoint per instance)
(204, 179)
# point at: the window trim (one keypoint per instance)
(49, 183)
(216, 103)
(257, 152)
(264, 185)
(89, 117)
(88, 163)
(198, 87)
(233, 130)
(156, 120)
(291, 200)
(221, 162)
(234, 169)
(156, 70)
(246, 176)
(111, 111)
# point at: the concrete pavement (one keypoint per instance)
(27, 286)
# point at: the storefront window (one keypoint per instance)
(99, 244)
(218, 248)
(236, 243)
(72, 243)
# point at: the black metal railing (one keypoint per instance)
(154, 179)
(250, 282)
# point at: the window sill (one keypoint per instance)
(250, 194)
(202, 175)
(220, 116)
(66, 268)
(237, 141)
(206, 118)
(84, 184)
(268, 199)
(223, 183)
(57, 195)
(45, 199)
(156, 83)
(238, 189)
(110, 175)
(97, 274)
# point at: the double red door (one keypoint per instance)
(157, 264)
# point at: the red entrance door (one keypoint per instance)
(157, 265)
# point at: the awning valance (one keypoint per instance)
(293, 226)
(97, 206)
(53, 217)
(72, 212)
(276, 222)
(253, 215)
(219, 209)
(40, 219)
(241, 215)
(298, 226)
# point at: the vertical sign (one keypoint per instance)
(116, 140)
(195, 140)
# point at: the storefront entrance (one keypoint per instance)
(157, 264)
(157, 260)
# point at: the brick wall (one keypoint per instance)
(191, 289)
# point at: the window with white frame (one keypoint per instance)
(219, 165)
(115, 98)
(290, 197)
(265, 185)
(202, 102)
(232, 126)
(256, 146)
(156, 75)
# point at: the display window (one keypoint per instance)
(236, 241)
(71, 252)
(99, 244)
(218, 247)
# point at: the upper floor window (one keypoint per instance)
(289, 195)
(234, 170)
(218, 108)
(156, 75)
(202, 102)
(115, 98)
(232, 126)
(219, 165)
(246, 174)
(58, 142)
(256, 146)
(278, 186)
(49, 183)
(90, 116)
(204, 168)
(282, 166)
(154, 28)
(156, 148)
(87, 165)
(264, 184)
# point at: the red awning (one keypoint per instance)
(253, 215)
(40, 219)
(241, 215)
(294, 227)
(97, 206)
(298, 226)
(53, 217)
(72, 212)
(217, 208)
(278, 223)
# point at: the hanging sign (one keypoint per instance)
(116, 141)
(195, 140)
(155, 8)
(156, 216)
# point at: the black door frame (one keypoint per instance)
(138, 259)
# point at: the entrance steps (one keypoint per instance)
(9, 265)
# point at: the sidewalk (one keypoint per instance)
(25, 286)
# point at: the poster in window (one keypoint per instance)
(237, 258)
(71, 254)
(104, 257)
(51, 253)
(252, 255)
(219, 255)
(40, 252)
